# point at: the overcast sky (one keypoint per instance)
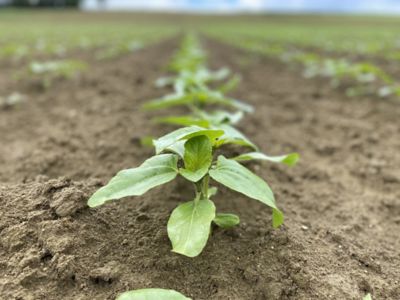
(346, 6)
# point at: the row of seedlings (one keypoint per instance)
(203, 132)
(357, 78)
(44, 73)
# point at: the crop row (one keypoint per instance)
(357, 77)
(41, 60)
(190, 151)
(58, 42)
(330, 38)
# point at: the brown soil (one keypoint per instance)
(341, 202)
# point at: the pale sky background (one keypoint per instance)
(293, 6)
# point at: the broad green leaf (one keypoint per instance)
(189, 226)
(152, 294)
(185, 133)
(226, 220)
(233, 136)
(183, 121)
(168, 101)
(289, 159)
(197, 158)
(153, 172)
(238, 178)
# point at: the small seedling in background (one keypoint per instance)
(191, 84)
(12, 100)
(118, 50)
(189, 57)
(14, 51)
(190, 89)
(48, 71)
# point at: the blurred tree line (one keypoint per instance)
(44, 3)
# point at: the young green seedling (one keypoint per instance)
(119, 49)
(187, 78)
(189, 57)
(50, 70)
(190, 85)
(190, 89)
(11, 100)
(15, 51)
(190, 223)
(188, 81)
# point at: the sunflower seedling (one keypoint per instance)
(194, 147)
(48, 71)
(191, 83)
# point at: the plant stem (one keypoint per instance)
(197, 187)
(204, 187)
(201, 189)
